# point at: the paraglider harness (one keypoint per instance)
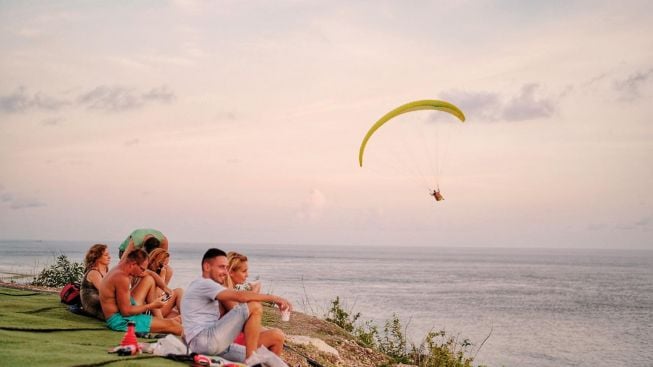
(436, 194)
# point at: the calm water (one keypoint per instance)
(543, 307)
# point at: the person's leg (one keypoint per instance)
(142, 289)
(273, 340)
(146, 292)
(217, 337)
(179, 293)
(160, 325)
(168, 310)
(252, 327)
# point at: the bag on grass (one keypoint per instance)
(70, 294)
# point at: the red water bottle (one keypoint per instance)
(130, 335)
(129, 340)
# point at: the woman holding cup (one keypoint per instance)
(238, 272)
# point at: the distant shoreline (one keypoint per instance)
(29, 287)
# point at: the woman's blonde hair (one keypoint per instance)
(156, 259)
(235, 260)
(92, 255)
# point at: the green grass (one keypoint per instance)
(37, 330)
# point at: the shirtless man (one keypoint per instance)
(214, 315)
(118, 305)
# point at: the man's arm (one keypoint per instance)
(164, 243)
(230, 295)
(130, 247)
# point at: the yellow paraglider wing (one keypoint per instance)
(428, 104)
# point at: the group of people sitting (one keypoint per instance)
(219, 313)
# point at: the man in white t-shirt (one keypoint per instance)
(212, 315)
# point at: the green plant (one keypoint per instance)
(367, 333)
(436, 350)
(393, 340)
(63, 271)
(340, 317)
(440, 350)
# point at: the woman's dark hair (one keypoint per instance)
(151, 243)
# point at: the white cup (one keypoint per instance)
(285, 315)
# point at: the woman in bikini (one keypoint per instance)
(97, 261)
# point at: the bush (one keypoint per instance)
(62, 272)
(367, 334)
(340, 317)
(436, 350)
(393, 341)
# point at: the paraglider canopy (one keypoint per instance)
(427, 104)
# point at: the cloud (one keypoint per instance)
(490, 106)
(160, 94)
(25, 204)
(596, 226)
(225, 116)
(527, 106)
(629, 89)
(19, 203)
(21, 101)
(52, 121)
(643, 223)
(484, 106)
(111, 99)
(131, 142)
(104, 98)
(118, 99)
(313, 205)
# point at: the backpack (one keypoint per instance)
(70, 294)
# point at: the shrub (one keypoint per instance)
(63, 271)
(340, 317)
(436, 350)
(367, 334)
(393, 340)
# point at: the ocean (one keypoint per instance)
(540, 307)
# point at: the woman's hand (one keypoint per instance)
(255, 286)
(283, 304)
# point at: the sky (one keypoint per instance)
(240, 121)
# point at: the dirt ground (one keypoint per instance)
(351, 354)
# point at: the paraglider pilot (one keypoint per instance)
(436, 194)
